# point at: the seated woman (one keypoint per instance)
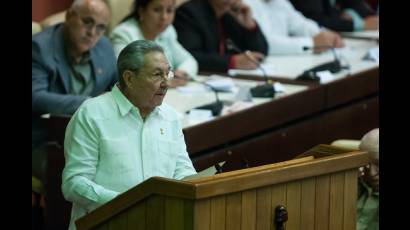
(151, 20)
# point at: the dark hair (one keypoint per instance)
(132, 56)
(136, 5)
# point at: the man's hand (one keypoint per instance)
(243, 15)
(327, 39)
(180, 79)
(244, 61)
(371, 23)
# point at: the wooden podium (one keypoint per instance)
(319, 191)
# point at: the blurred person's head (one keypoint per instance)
(85, 23)
(370, 143)
(154, 16)
(144, 74)
(222, 7)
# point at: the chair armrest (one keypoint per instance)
(35, 27)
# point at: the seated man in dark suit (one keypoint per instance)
(218, 32)
(71, 62)
(339, 15)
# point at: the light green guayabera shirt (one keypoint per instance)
(109, 149)
(367, 208)
(178, 56)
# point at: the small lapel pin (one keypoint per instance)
(99, 71)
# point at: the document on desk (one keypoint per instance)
(190, 89)
(221, 84)
(268, 67)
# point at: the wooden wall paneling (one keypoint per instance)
(189, 214)
(102, 227)
(322, 202)
(264, 217)
(233, 211)
(119, 222)
(174, 213)
(350, 199)
(293, 197)
(155, 213)
(307, 215)
(137, 217)
(278, 194)
(218, 213)
(336, 200)
(248, 210)
(202, 215)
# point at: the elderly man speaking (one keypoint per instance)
(123, 137)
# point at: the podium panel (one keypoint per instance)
(317, 190)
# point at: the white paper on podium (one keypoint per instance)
(204, 173)
(268, 67)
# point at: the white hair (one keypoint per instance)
(77, 4)
(370, 143)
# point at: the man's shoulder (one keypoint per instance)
(99, 107)
(104, 52)
(46, 39)
(47, 34)
(103, 43)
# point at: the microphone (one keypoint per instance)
(215, 107)
(333, 66)
(265, 90)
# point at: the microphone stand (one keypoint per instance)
(333, 66)
(266, 90)
(215, 107)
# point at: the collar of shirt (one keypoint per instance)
(85, 58)
(125, 106)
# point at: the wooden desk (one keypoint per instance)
(275, 131)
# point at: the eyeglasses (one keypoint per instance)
(156, 77)
(159, 76)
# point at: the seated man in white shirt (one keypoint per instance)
(288, 31)
(121, 138)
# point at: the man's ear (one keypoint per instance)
(127, 77)
(69, 14)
